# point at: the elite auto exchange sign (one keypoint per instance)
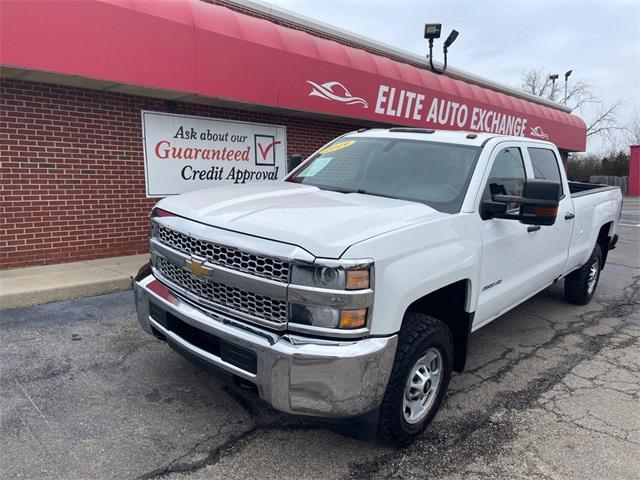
(184, 153)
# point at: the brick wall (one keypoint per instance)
(72, 169)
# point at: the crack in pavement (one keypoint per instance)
(616, 307)
(215, 455)
(438, 446)
(479, 433)
(264, 419)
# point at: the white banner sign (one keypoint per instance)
(184, 153)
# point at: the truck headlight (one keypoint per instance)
(328, 317)
(318, 295)
(333, 275)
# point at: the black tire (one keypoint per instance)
(419, 334)
(577, 284)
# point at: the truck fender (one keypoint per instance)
(449, 304)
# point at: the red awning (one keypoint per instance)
(193, 47)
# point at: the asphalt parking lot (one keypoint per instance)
(552, 390)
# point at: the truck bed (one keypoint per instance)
(578, 189)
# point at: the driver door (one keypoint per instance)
(507, 245)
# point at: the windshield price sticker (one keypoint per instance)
(337, 146)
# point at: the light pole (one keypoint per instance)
(553, 79)
(566, 80)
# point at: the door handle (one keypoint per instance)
(569, 216)
(533, 228)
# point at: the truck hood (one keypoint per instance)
(325, 223)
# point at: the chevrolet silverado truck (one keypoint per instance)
(352, 286)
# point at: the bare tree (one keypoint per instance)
(604, 121)
(536, 82)
(601, 119)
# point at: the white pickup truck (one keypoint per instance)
(352, 286)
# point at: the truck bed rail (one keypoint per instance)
(578, 189)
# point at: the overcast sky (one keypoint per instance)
(599, 40)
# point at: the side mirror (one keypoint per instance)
(538, 203)
(294, 161)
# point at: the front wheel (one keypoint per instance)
(580, 285)
(419, 379)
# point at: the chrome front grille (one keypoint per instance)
(260, 265)
(250, 303)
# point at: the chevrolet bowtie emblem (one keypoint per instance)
(197, 268)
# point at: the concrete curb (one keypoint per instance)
(37, 285)
(39, 297)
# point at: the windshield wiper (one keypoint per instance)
(367, 192)
(331, 189)
(348, 190)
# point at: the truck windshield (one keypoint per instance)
(436, 174)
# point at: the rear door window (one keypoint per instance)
(545, 165)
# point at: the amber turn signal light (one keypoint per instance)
(545, 211)
(350, 319)
(357, 279)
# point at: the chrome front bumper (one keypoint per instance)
(294, 374)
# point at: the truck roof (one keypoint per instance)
(444, 136)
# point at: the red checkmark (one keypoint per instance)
(265, 151)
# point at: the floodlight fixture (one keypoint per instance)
(433, 31)
(450, 39)
(566, 82)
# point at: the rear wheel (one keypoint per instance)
(419, 379)
(580, 285)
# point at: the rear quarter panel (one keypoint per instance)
(592, 212)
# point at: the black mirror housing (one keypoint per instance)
(294, 161)
(546, 190)
(544, 211)
(491, 208)
(538, 203)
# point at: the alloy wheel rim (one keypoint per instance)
(421, 388)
